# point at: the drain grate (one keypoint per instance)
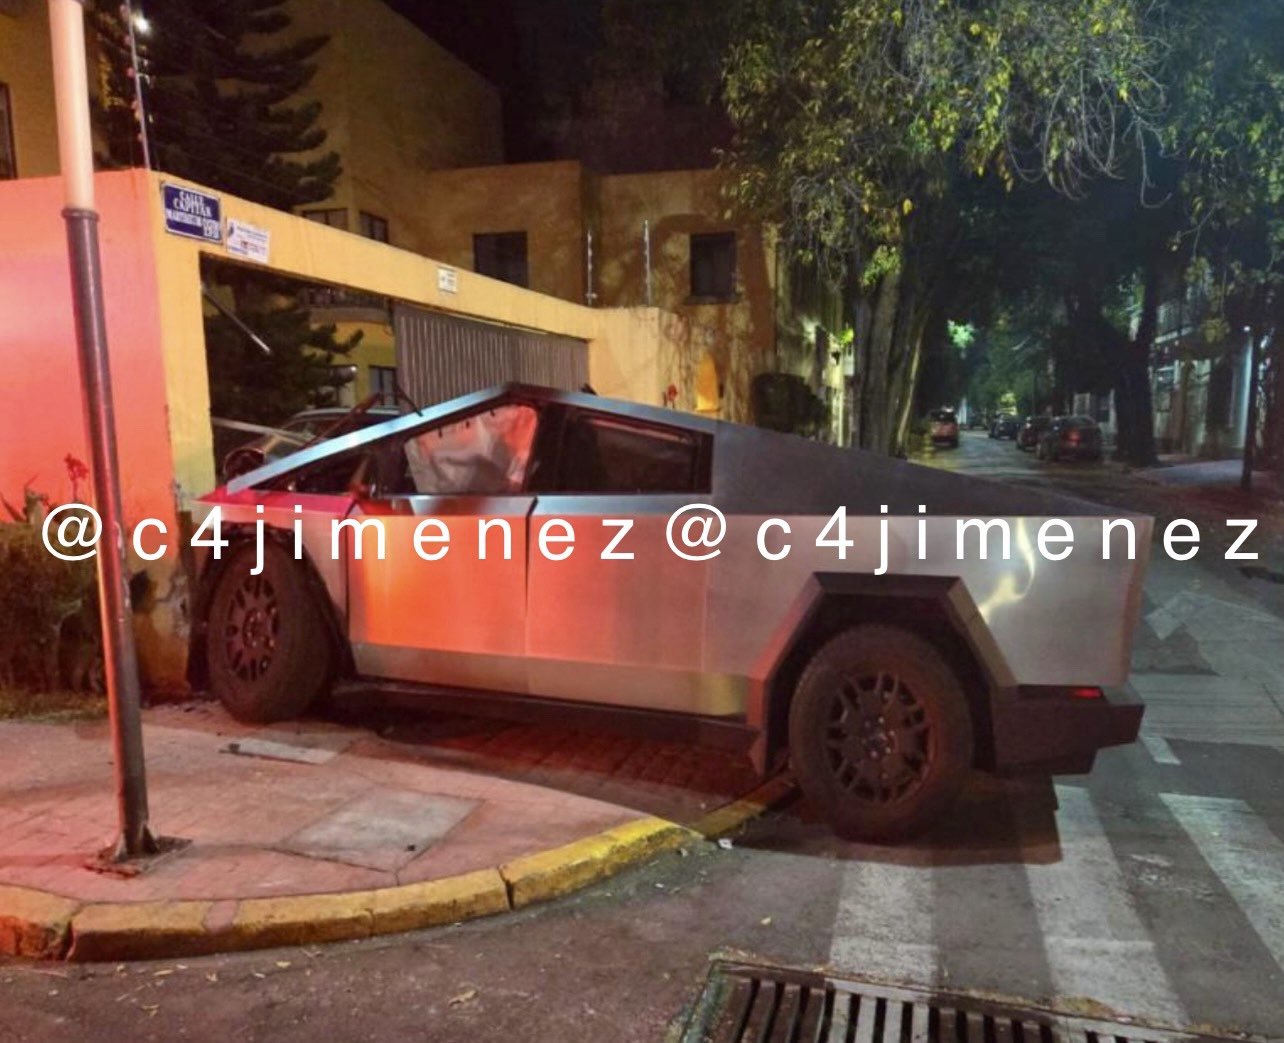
(743, 1003)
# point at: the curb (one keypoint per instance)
(40, 925)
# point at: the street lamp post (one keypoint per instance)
(131, 24)
(75, 153)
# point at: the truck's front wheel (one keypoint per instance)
(879, 733)
(268, 651)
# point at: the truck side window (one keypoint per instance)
(603, 454)
(485, 454)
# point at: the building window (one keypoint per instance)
(501, 255)
(373, 227)
(383, 379)
(8, 157)
(713, 266)
(335, 217)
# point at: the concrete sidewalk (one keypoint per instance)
(319, 831)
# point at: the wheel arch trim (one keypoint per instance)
(829, 601)
(211, 569)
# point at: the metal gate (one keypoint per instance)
(440, 356)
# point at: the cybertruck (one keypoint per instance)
(526, 551)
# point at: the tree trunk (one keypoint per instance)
(1134, 407)
(877, 408)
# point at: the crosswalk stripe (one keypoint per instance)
(1245, 855)
(1159, 749)
(1094, 940)
(883, 925)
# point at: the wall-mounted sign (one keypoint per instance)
(248, 241)
(188, 212)
(447, 279)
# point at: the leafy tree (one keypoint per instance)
(863, 126)
(219, 90)
(1230, 114)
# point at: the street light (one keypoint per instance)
(76, 156)
(136, 22)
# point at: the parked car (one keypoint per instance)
(1004, 425)
(944, 428)
(300, 430)
(882, 691)
(1070, 438)
(1028, 436)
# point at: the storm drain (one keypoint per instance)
(742, 1003)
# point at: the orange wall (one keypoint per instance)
(544, 200)
(737, 337)
(26, 66)
(37, 342)
(41, 412)
(396, 106)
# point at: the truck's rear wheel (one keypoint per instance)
(268, 649)
(880, 735)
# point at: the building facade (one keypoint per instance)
(420, 135)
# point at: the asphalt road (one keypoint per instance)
(1153, 887)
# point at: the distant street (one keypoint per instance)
(1153, 888)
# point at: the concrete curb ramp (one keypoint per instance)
(40, 925)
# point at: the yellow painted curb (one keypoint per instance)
(34, 923)
(561, 870)
(263, 923)
(730, 817)
(140, 930)
(435, 902)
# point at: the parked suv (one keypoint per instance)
(1005, 425)
(1031, 430)
(1070, 438)
(945, 428)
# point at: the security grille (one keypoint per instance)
(440, 356)
(742, 1003)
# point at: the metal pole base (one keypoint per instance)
(120, 859)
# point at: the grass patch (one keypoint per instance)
(50, 707)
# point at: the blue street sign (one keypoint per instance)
(191, 213)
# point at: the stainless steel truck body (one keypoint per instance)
(530, 562)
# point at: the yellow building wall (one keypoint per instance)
(737, 337)
(544, 200)
(626, 356)
(396, 106)
(26, 67)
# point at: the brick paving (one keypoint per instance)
(395, 798)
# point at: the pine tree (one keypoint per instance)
(246, 384)
(218, 84)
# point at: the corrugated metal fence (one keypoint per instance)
(440, 356)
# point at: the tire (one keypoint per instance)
(268, 650)
(842, 752)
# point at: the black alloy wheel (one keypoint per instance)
(880, 734)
